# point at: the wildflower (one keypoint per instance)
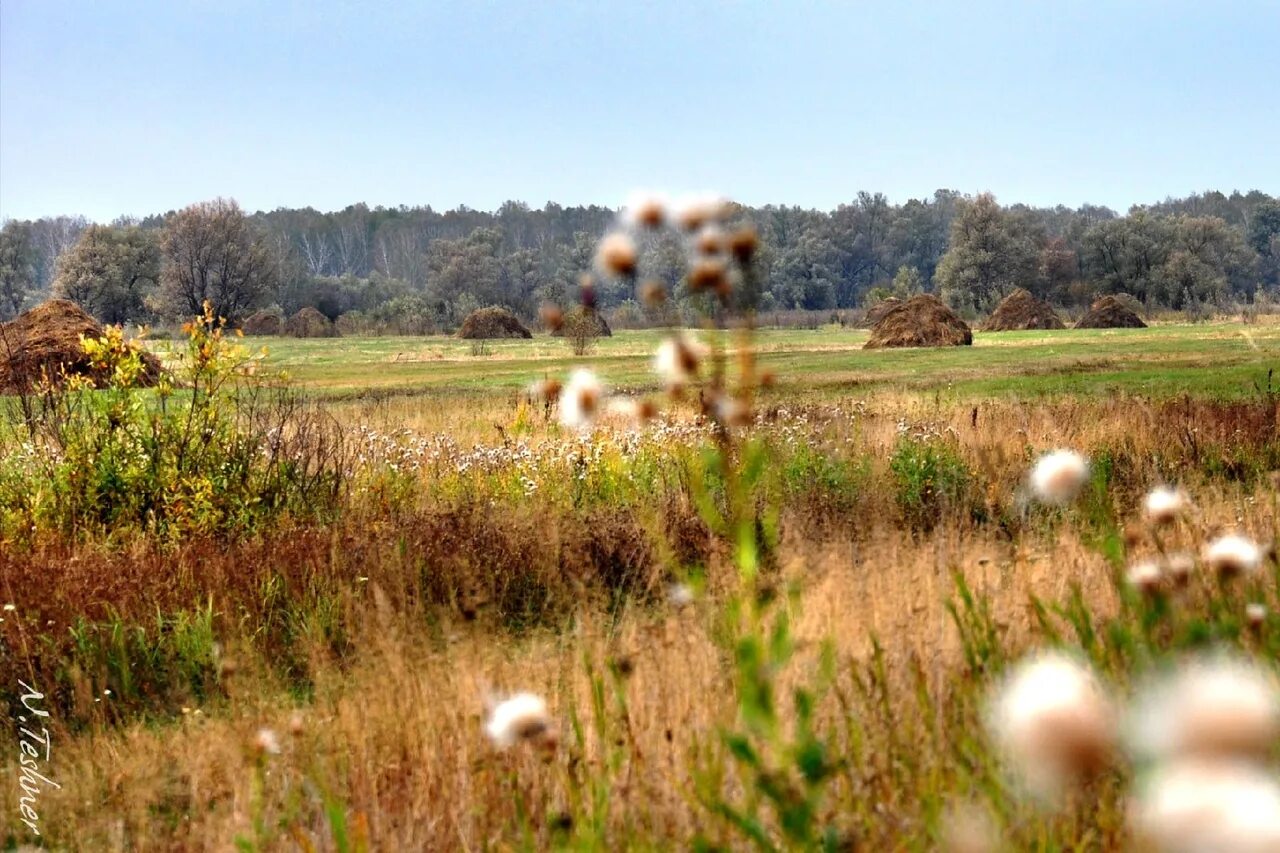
(711, 240)
(522, 717)
(1053, 721)
(296, 724)
(693, 212)
(1179, 567)
(677, 359)
(653, 293)
(617, 255)
(631, 409)
(1255, 613)
(708, 275)
(265, 742)
(544, 390)
(680, 595)
(1058, 476)
(1145, 576)
(1164, 505)
(1231, 555)
(731, 411)
(645, 210)
(579, 399)
(743, 244)
(1209, 708)
(1196, 805)
(9, 608)
(587, 291)
(552, 316)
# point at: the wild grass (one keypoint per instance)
(832, 696)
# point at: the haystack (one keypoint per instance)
(46, 341)
(264, 322)
(876, 312)
(921, 321)
(493, 322)
(1110, 313)
(583, 322)
(310, 323)
(1020, 310)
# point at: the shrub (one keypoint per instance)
(930, 477)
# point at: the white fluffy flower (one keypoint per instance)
(1053, 721)
(1232, 555)
(1058, 476)
(266, 742)
(522, 717)
(1164, 505)
(1200, 806)
(580, 399)
(1207, 708)
(1145, 576)
(677, 359)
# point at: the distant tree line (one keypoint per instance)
(414, 270)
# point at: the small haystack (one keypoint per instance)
(921, 321)
(495, 322)
(876, 312)
(583, 322)
(1110, 313)
(45, 341)
(264, 322)
(1019, 311)
(310, 323)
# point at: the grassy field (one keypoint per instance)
(298, 650)
(1215, 359)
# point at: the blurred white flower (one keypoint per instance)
(579, 399)
(522, 717)
(680, 595)
(266, 742)
(1053, 721)
(1196, 806)
(1058, 476)
(1145, 576)
(1255, 613)
(1179, 566)
(1232, 555)
(692, 212)
(677, 359)
(1207, 708)
(1164, 505)
(616, 254)
(645, 209)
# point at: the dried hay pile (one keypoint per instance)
(1019, 311)
(921, 321)
(264, 322)
(45, 341)
(310, 323)
(1110, 313)
(495, 322)
(876, 312)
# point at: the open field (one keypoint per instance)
(473, 548)
(1213, 359)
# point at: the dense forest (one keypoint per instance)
(415, 270)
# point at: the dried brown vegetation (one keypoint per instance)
(45, 342)
(921, 321)
(1020, 310)
(1110, 313)
(494, 322)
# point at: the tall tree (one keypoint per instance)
(213, 254)
(991, 252)
(109, 272)
(17, 267)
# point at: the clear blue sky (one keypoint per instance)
(110, 108)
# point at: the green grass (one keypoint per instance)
(1222, 360)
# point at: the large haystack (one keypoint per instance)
(1019, 311)
(583, 322)
(495, 322)
(264, 322)
(921, 321)
(1110, 313)
(45, 341)
(876, 312)
(310, 323)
